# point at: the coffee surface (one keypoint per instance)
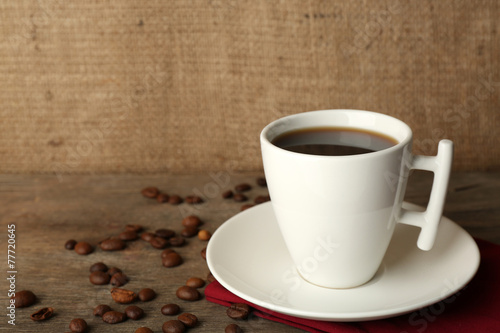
(333, 141)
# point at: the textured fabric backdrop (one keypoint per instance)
(187, 85)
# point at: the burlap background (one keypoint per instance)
(187, 85)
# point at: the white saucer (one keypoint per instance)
(247, 255)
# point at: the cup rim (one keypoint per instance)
(401, 143)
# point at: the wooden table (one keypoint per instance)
(47, 212)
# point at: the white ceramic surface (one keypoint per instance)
(337, 213)
(248, 256)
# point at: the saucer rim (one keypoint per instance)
(332, 316)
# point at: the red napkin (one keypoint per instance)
(475, 308)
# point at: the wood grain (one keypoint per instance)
(47, 213)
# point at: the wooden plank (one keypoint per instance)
(47, 212)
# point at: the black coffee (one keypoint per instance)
(333, 141)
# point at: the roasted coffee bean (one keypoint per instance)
(113, 270)
(166, 252)
(159, 242)
(188, 293)
(195, 282)
(227, 194)
(150, 192)
(172, 259)
(23, 298)
(143, 330)
(98, 266)
(134, 312)
(170, 309)
(245, 207)
(194, 199)
(83, 248)
(114, 317)
(233, 328)
(239, 197)
(128, 235)
(165, 233)
(261, 181)
(162, 198)
(78, 325)
(123, 296)
(175, 200)
(192, 221)
(210, 278)
(99, 278)
(112, 244)
(101, 309)
(261, 199)
(238, 311)
(146, 294)
(134, 227)
(147, 236)
(173, 326)
(204, 235)
(118, 279)
(188, 319)
(42, 314)
(203, 253)
(242, 187)
(189, 232)
(70, 245)
(177, 241)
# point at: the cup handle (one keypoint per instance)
(428, 220)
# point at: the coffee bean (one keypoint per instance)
(128, 235)
(134, 312)
(175, 200)
(204, 235)
(173, 326)
(146, 294)
(245, 207)
(98, 266)
(238, 311)
(83, 248)
(166, 252)
(177, 241)
(159, 242)
(147, 236)
(78, 325)
(194, 199)
(242, 187)
(114, 317)
(172, 259)
(203, 253)
(134, 227)
(143, 330)
(118, 279)
(188, 293)
(195, 282)
(123, 296)
(99, 278)
(70, 245)
(112, 244)
(239, 197)
(101, 309)
(165, 233)
(170, 309)
(227, 194)
(189, 232)
(261, 199)
(23, 298)
(261, 181)
(42, 314)
(150, 192)
(233, 328)
(210, 278)
(113, 270)
(188, 319)
(162, 198)
(192, 221)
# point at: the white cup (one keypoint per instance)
(337, 213)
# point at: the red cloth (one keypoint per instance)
(475, 308)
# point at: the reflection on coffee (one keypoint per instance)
(333, 141)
